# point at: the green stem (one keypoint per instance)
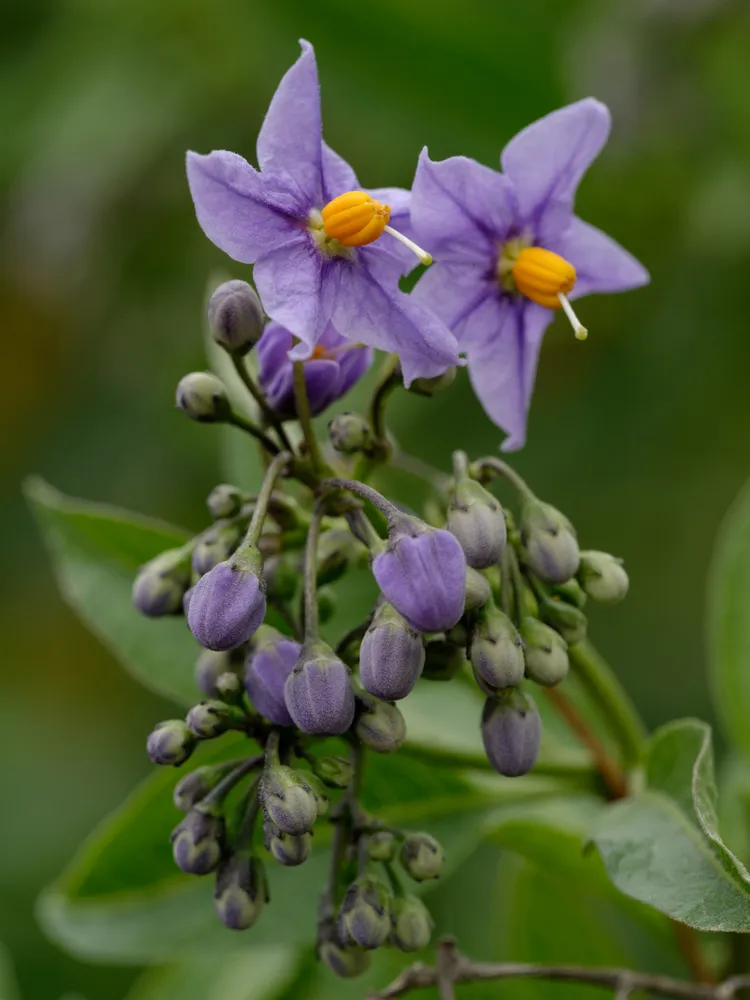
(385, 507)
(305, 418)
(460, 465)
(264, 497)
(271, 418)
(388, 379)
(246, 425)
(500, 468)
(612, 699)
(311, 575)
(217, 795)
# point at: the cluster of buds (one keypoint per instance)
(476, 591)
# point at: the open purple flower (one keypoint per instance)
(334, 367)
(509, 251)
(314, 235)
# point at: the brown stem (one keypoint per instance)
(690, 948)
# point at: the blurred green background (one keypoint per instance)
(640, 435)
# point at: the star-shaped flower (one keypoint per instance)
(323, 249)
(509, 251)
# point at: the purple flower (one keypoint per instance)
(227, 606)
(507, 245)
(333, 368)
(422, 573)
(266, 674)
(318, 692)
(317, 262)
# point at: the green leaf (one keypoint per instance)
(8, 985)
(96, 550)
(728, 623)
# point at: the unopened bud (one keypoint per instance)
(209, 667)
(431, 386)
(511, 732)
(381, 846)
(336, 772)
(194, 787)
(349, 433)
(391, 656)
(380, 725)
(211, 718)
(496, 651)
(478, 589)
(202, 396)
(476, 519)
(603, 577)
(421, 857)
(365, 914)
(318, 692)
(412, 924)
(224, 501)
(198, 842)
(338, 551)
(566, 619)
(288, 850)
(159, 587)
(546, 653)
(235, 317)
(571, 592)
(347, 963)
(216, 546)
(287, 800)
(443, 660)
(228, 604)
(170, 743)
(229, 688)
(549, 540)
(240, 892)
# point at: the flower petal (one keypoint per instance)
(399, 200)
(460, 209)
(244, 213)
(452, 291)
(548, 158)
(289, 141)
(502, 363)
(338, 176)
(601, 263)
(291, 282)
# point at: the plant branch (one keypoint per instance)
(275, 469)
(302, 404)
(270, 417)
(245, 425)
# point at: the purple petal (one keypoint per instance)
(399, 201)
(353, 363)
(291, 284)
(602, 264)
(506, 337)
(453, 291)
(240, 211)
(460, 209)
(338, 176)
(547, 160)
(289, 141)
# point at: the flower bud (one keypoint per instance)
(347, 963)
(546, 653)
(235, 317)
(571, 592)
(160, 585)
(478, 589)
(287, 800)
(194, 787)
(228, 603)
(431, 386)
(240, 891)
(365, 914)
(170, 743)
(549, 541)
(443, 660)
(511, 732)
(338, 551)
(333, 771)
(412, 924)
(477, 520)
(566, 619)
(322, 798)
(349, 433)
(496, 651)
(229, 688)
(421, 856)
(282, 575)
(209, 667)
(268, 667)
(224, 501)
(381, 846)
(422, 573)
(202, 396)
(603, 577)
(318, 692)
(380, 725)
(212, 718)
(216, 546)
(198, 842)
(391, 656)
(287, 850)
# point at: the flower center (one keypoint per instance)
(542, 276)
(319, 351)
(354, 219)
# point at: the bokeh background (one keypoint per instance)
(640, 435)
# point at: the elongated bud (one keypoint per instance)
(211, 718)
(511, 732)
(381, 846)
(235, 317)
(546, 653)
(339, 551)
(476, 519)
(549, 540)
(346, 963)
(240, 892)
(228, 603)
(268, 667)
(412, 924)
(216, 546)
(198, 842)
(421, 857)
(496, 651)
(434, 385)
(603, 577)
(566, 619)
(336, 772)
(391, 657)
(380, 725)
(170, 743)
(478, 590)
(159, 587)
(224, 501)
(288, 850)
(318, 692)
(350, 434)
(443, 660)
(287, 800)
(365, 914)
(209, 667)
(194, 787)
(202, 396)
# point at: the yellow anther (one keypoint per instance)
(546, 278)
(355, 219)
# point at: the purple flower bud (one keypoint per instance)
(287, 800)
(477, 520)
(209, 667)
(170, 743)
(391, 657)
(202, 396)
(496, 651)
(198, 842)
(216, 546)
(412, 924)
(549, 540)
(235, 316)
(195, 786)
(380, 725)
(350, 434)
(287, 849)
(545, 652)
(267, 670)
(511, 732)
(159, 587)
(229, 603)
(346, 963)
(421, 857)
(334, 367)
(318, 692)
(603, 577)
(240, 892)
(365, 915)
(224, 500)
(423, 575)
